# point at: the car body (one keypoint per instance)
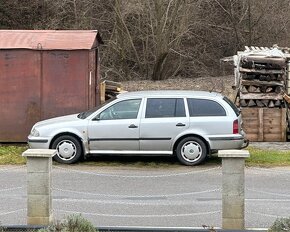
(189, 124)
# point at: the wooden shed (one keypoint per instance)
(44, 74)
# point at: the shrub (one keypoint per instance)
(72, 223)
(281, 224)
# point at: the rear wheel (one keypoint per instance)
(68, 148)
(191, 151)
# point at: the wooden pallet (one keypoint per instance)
(265, 124)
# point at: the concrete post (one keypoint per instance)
(233, 193)
(39, 201)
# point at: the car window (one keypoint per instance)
(87, 113)
(204, 107)
(232, 105)
(127, 109)
(164, 107)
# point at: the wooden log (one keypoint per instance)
(268, 77)
(244, 89)
(265, 102)
(269, 90)
(262, 83)
(251, 103)
(266, 89)
(259, 103)
(243, 103)
(280, 77)
(261, 71)
(258, 90)
(102, 92)
(273, 77)
(271, 104)
(113, 83)
(264, 62)
(286, 98)
(263, 77)
(248, 76)
(252, 89)
(279, 89)
(278, 103)
(259, 96)
(113, 88)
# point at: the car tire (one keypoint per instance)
(191, 151)
(69, 149)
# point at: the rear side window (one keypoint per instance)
(164, 107)
(204, 107)
(233, 106)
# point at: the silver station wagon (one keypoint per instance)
(188, 124)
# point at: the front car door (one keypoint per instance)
(116, 128)
(162, 121)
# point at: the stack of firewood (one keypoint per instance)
(110, 89)
(262, 81)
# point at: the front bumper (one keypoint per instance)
(38, 142)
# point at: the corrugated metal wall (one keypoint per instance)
(44, 74)
(37, 84)
(19, 93)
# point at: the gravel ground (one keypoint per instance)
(217, 84)
(282, 146)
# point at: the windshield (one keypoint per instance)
(87, 113)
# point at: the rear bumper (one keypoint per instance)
(228, 142)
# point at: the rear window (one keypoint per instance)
(204, 107)
(233, 106)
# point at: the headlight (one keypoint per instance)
(34, 132)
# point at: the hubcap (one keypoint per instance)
(191, 151)
(66, 149)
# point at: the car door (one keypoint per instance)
(116, 128)
(162, 120)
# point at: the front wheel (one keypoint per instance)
(68, 148)
(191, 151)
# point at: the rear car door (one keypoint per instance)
(162, 120)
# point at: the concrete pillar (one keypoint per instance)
(233, 193)
(39, 201)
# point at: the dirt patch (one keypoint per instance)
(221, 84)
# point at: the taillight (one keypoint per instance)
(236, 126)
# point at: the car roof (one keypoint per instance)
(168, 93)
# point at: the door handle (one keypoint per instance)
(180, 124)
(133, 126)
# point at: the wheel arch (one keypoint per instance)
(70, 134)
(191, 135)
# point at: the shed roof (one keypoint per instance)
(49, 39)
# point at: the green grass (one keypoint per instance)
(12, 154)
(267, 158)
(258, 157)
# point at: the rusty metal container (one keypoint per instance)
(44, 74)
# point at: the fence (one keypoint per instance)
(173, 197)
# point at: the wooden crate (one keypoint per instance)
(265, 124)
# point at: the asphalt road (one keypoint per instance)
(166, 197)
